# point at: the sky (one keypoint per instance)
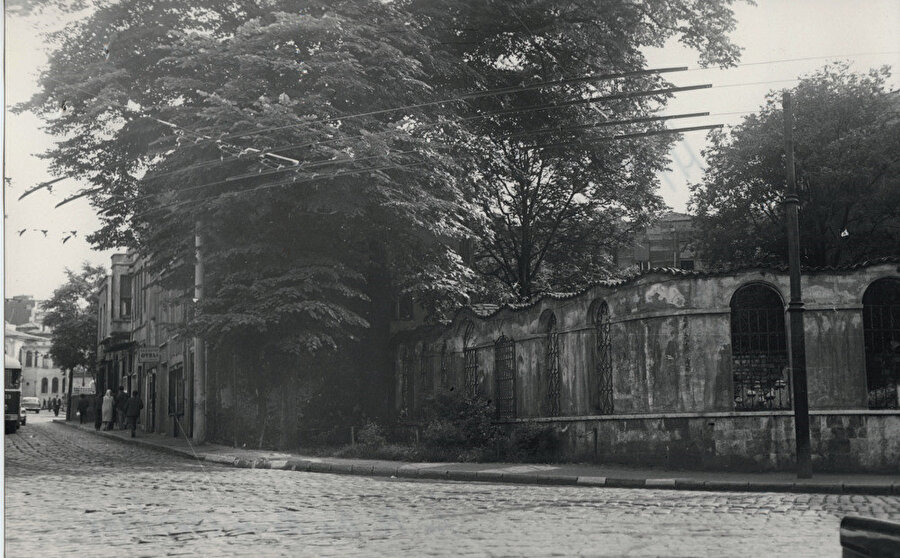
(814, 30)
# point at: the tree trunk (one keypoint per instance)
(69, 396)
(262, 414)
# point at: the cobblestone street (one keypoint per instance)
(73, 493)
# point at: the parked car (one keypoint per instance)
(31, 404)
(23, 416)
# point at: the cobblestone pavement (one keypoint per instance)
(73, 493)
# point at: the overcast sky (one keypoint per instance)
(864, 32)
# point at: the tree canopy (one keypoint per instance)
(305, 141)
(555, 196)
(71, 313)
(847, 150)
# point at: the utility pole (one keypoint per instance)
(795, 306)
(199, 408)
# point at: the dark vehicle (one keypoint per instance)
(12, 393)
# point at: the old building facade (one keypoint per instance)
(139, 348)
(682, 368)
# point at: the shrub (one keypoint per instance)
(532, 442)
(371, 435)
(457, 423)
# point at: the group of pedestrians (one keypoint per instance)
(52, 404)
(118, 410)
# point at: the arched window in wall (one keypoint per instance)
(54, 385)
(470, 361)
(881, 328)
(44, 384)
(759, 353)
(603, 369)
(551, 360)
(505, 377)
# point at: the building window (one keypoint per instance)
(881, 329)
(505, 378)
(551, 358)
(28, 359)
(470, 361)
(603, 370)
(44, 384)
(54, 385)
(759, 353)
(125, 296)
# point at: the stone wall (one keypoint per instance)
(848, 441)
(671, 353)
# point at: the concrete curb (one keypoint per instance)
(409, 472)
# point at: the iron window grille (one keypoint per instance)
(445, 366)
(553, 373)
(881, 329)
(470, 362)
(505, 378)
(603, 368)
(759, 352)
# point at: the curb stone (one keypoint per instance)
(304, 465)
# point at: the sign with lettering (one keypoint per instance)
(147, 355)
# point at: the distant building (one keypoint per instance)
(667, 243)
(28, 340)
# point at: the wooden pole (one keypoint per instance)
(795, 306)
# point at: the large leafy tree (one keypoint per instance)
(847, 149)
(166, 109)
(71, 314)
(555, 196)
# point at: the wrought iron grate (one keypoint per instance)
(759, 350)
(470, 362)
(553, 373)
(505, 378)
(603, 368)
(881, 329)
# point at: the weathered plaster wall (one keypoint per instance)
(670, 343)
(671, 353)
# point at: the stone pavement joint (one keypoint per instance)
(561, 475)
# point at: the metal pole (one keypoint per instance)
(199, 407)
(795, 306)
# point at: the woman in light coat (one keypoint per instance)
(107, 410)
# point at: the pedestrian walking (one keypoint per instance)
(83, 405)
(107, 409)
(121, 402)
(133, 410)
(98, 411)
(56, 404)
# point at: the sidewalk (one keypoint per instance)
(522, 473)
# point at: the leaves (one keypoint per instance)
(847, 140)
(71, 313)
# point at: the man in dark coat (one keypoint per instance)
(133, 411)
(119, 412)
(98, 411)
(56, 405)
(83, 405)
